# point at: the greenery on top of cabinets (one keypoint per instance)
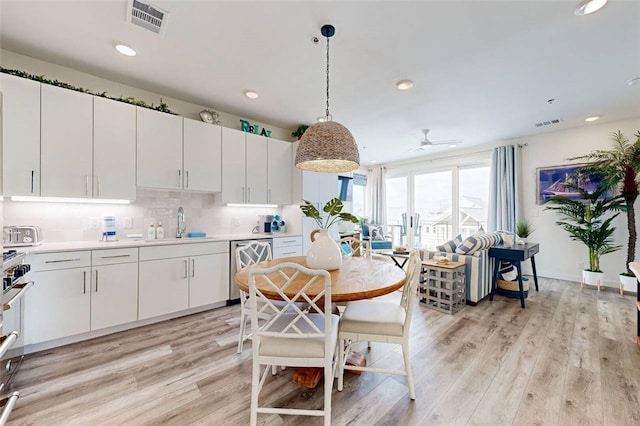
(163, 107)
(300, 131)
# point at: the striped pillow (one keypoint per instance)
(450, 246)
(478, 242)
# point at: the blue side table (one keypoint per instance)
(515, 254)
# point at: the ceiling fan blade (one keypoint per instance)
(451, 142)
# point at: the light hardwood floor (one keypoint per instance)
(570, 357)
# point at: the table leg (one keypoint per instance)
(519, 269)
(493, 280)
(535, 274)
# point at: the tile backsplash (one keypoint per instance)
(83, 222)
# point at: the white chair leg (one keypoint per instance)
(243, 322)
(407, 367)
(341, 362)
(328, 388)
(255, 389)
(274, 370)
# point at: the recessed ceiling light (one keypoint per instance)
(589, 6)
(633, 81)
(251, 94)
(404, 84)
(125, 50)
(593, 118)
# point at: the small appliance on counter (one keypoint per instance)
(265, 222)
(22, 236)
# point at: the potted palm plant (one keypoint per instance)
(588, 220)
(620, 168)
(523, 230)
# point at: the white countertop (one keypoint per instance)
(123, 243)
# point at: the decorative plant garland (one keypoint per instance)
(163, 107)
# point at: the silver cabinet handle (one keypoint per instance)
(8, 406)
(96, 280)
(114, 256)
(7, 342)
(23, 289)
(179, 178)
(186, 273)
(186, 176)
(87, 185)
(289, 252)
(84, 284)
(98, 185)
(269, 199)
(63, 260)
(248, 194)
(193, 267)
(33, 172)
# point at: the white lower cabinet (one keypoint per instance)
(287, 246)
(206, 274)
(164, 287)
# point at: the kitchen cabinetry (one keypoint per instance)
(202, 150)
(72, 296)
(244, 167)
(59, 305)
(279, 172)
(174, 278)
(114, 149)
(287, 246)
(66, 142)
(20, 135)
(159, 136)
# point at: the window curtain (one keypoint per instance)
(377, 195)
(504, 200)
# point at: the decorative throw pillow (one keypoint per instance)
(365, 230)
(346, 249)
(507, 272)
(469, 246)
(450, 246)
(377, 234)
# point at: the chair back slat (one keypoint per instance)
(254, 252)
(358, 247)
(414, 266)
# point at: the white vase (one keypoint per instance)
(593, 278)
(628, 284)
(324, 253)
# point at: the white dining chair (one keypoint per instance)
(385, 322)
(292, 336)
(254, 252)
(352, 246)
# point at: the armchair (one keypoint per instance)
(384, 244)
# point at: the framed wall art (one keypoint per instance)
(551, 181)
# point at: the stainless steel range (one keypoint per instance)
(15, 285)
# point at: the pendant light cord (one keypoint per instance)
(327, 111)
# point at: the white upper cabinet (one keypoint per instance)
(66, 142)
(114, 149)
(202, 152)
(234, 166)
(279, 172)
(256, 169)
(159, 147)
(20, 135)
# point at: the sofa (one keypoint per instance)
(375, 244)
(478, 265)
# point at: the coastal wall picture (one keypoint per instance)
(551, 181)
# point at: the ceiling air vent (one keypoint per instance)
(146, 16)
(548, 123)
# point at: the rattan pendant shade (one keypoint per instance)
(327, 146)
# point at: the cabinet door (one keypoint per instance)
(114, 295)
(114, 149)
(256, 169)
(159, 150)
(209, 279)
(202, 156)
(58, 305)
(20, 135)
(163, 287)
(279, 172)
(67, 142)
(233, 166)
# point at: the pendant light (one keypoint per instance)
(327, 146)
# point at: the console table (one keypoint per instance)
(516, 254)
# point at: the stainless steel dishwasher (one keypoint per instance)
(234, 291)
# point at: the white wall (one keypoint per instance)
(560, 257)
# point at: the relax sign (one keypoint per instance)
(245, 126)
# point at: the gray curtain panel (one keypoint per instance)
(504, 199)
(378, 197)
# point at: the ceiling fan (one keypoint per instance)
(426, 143)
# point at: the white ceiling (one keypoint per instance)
(483, 70)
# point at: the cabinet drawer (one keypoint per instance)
(287, 251)
(294, 240)
(112, 256)
(180, 250)
(59, 260)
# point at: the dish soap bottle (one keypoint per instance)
(159, 231)
(151, 232)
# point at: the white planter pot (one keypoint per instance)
(628, 284)
(593, 278)
(324, 253)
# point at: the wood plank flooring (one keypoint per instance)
(570, 357)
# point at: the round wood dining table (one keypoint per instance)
(358, 278)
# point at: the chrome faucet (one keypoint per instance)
(181, 226)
